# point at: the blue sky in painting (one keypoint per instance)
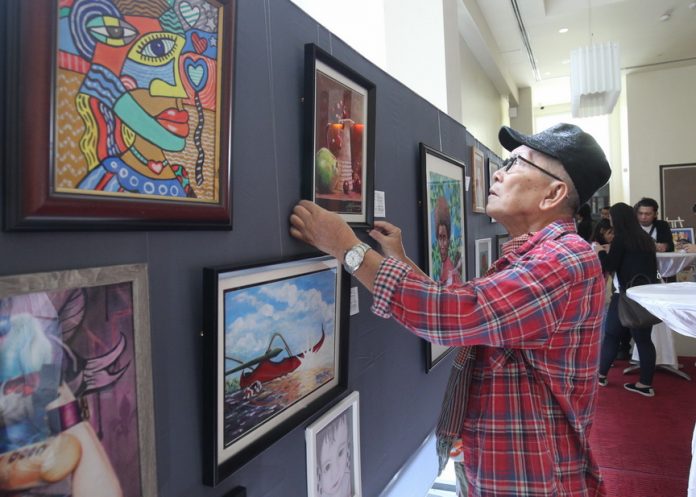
(296, 308)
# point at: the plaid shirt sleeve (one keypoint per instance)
(515, 307)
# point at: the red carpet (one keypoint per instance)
(643, 444)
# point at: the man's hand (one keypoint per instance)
(389, 238)
(322, 229)
(661, 247)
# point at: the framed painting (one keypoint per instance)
(500, 240)
(677, 199)
(479, 193)
(120, 114)
(76, 410)
(275, 353)
(333, 451)
(483, 256)
(493, 166)
(339, 138)
(444, 226)
(682, 236)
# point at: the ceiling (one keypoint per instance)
(644, 39)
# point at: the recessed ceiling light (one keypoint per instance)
(563, 30)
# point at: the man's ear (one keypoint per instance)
(556, 194)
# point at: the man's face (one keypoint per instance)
(515, 195)
(442, 241)
(646, 215)
(604, 212)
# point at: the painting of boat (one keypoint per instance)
(279, 348)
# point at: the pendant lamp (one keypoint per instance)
(595, 79)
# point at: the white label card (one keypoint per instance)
(354, 307)
(380, 206)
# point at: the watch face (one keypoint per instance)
(353, 258)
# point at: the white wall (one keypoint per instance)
(661, 119)
(402, 37)
(360, 23)
(416, 47)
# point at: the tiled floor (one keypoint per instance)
(445, 484)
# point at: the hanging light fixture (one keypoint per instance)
(595, 76)
(595, 79)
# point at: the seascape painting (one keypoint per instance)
(279, 347)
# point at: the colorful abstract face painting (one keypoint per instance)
(137, 99)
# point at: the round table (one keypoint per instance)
(675, 304)
(670, 263)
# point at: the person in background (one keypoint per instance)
(631, 252)
(523, 388)
(583, 222)
(604, 213)
(646, 212)
(603, 233)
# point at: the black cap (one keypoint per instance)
(581, 156)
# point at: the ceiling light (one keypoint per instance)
(665, 17)
(595, 79)
(563, 30)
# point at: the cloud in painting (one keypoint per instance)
(296, 308)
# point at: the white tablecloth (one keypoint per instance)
(670, 263)
(673, 303)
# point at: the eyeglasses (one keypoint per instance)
(510, 161)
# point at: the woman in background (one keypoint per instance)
(583, 222)
(632, 252)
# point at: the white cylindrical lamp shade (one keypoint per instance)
(595, 79)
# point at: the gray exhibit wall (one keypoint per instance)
(399, 400)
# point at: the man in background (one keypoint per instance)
(646, 211)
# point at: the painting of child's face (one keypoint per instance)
(334, 457)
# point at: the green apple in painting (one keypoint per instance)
(326, 170)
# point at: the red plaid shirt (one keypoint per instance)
(536, 321)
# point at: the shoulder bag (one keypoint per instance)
(631, 313)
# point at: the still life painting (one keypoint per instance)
(279, 349)
(340, 125)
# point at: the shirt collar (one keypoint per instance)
(525, 242)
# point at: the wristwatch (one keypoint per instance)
(354, 257)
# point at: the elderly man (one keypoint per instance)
(522, 391)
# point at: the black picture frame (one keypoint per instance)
(435, 164)
(499, 241)
(52, 181)
(339, 107)
(259, 335)
(492, 165)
